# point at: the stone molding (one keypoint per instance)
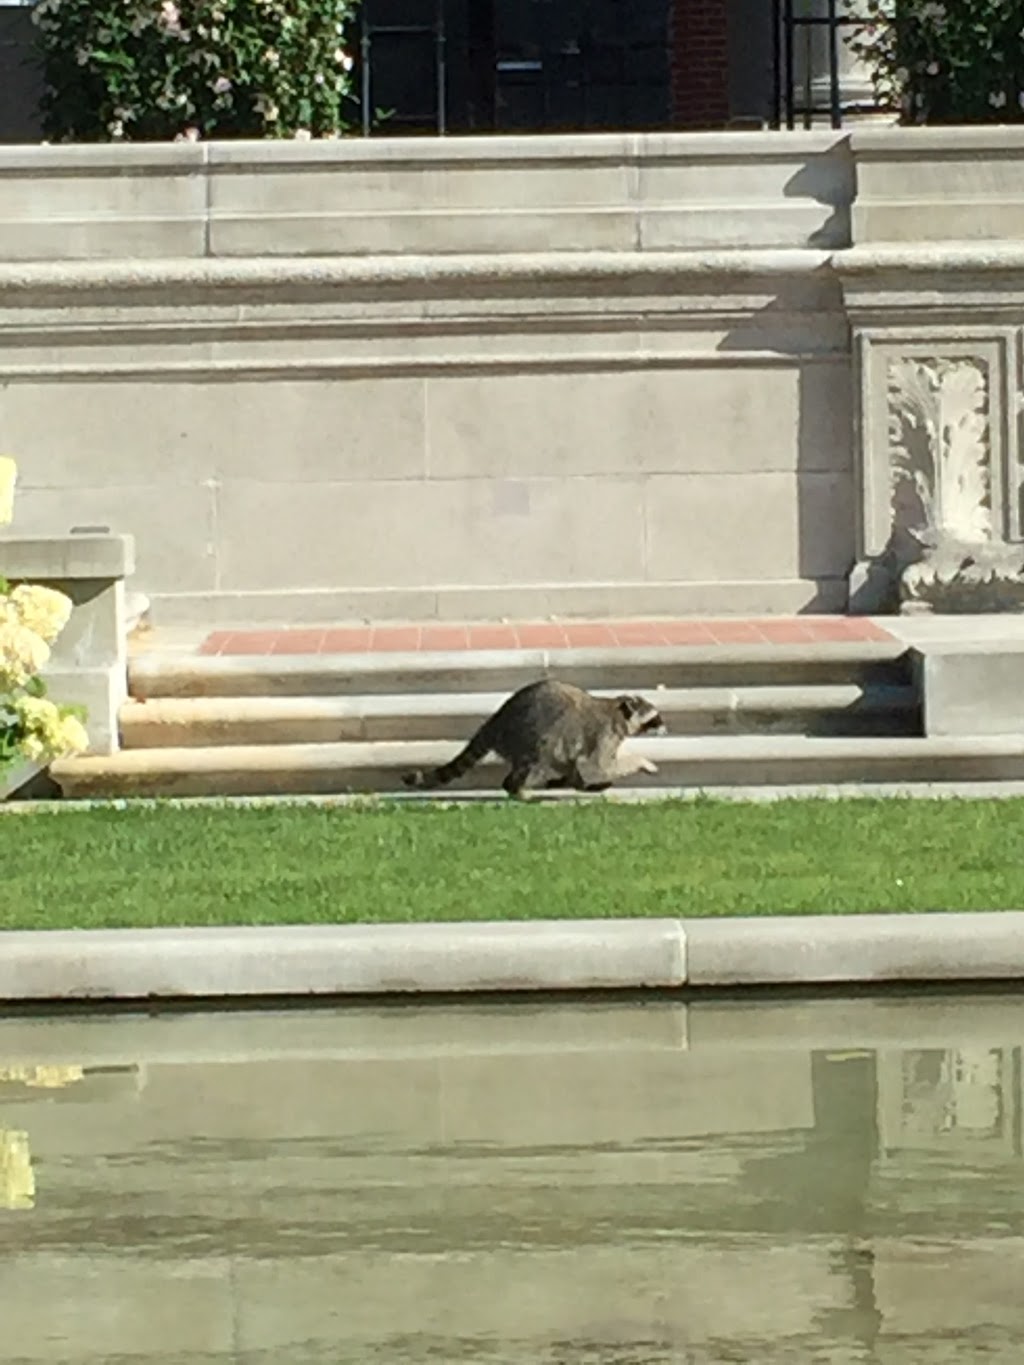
(418, 314)
(625, 192)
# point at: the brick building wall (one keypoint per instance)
(700, 63)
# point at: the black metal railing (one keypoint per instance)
(807, 88)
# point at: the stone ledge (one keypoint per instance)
(55, 558)
(88, 159)
(839, 949)
(628, 191)
(330, 272)
(341, 960)
(930, 258)
(503, 150)
(997, 140)
(553, 955)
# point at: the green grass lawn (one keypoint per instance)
(276, 865)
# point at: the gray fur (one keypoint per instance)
(552, 734)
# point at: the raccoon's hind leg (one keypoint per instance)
(572, 781)
(522, 781)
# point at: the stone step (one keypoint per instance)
(154, 674)
(191, 722)
(684, 762)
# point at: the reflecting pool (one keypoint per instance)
(516, 1184)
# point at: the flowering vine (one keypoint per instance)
(945, 61)
(157, 70)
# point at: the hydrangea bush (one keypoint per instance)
(31, 617)
(945, 61)
(154, 70)
(31, 725)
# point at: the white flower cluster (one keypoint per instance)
(45, 732)
(31, 618)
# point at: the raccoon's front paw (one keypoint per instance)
(646, 766)
(413, 779)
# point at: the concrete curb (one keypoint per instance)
(551, 955)
(1004, 790)
(385, 959)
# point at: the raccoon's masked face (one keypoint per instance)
(641, 717)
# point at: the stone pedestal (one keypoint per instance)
(89, 663)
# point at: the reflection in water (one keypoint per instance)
(17, 1182)
(598, 1184)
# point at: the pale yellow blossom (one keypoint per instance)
(46, 731)
(74, 738)
(40, 721)
(22, 654)
(43, 610)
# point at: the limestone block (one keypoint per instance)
(771, 526)
(405, 533)
(972, 687)
(690, 418)
(938, 184)
(86, 202)
(172, 525)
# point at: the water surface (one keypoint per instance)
(580, 1184)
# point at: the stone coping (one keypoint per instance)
(91, 555)
(188, 158)
(409, 960)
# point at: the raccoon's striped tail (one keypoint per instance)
(477, 748)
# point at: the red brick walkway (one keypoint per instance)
(775, 630)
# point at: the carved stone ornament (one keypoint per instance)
(943, 553)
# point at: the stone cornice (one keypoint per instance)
(684, 269)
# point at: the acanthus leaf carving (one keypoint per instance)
(940, 451)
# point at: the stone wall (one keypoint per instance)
(487, 377)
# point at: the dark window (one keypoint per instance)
(514, 65)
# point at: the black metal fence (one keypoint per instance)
(807, 41)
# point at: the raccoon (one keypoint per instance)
(554, 735)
